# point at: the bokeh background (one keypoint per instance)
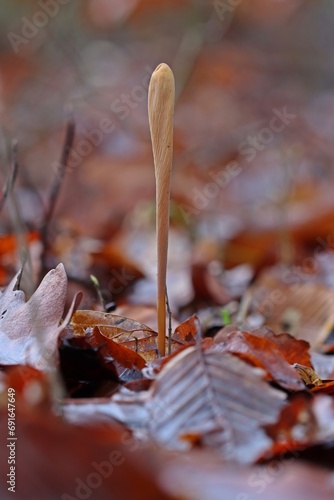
(237, 65)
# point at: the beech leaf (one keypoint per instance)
(305, 310)
(215, 399)
(262, 352)
(132, 334)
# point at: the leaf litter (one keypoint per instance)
(236, 395)
(212, 398)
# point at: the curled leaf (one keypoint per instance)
(265, 354)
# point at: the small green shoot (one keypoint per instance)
(225, 316)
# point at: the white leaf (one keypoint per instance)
(217, 398)
(29, 330)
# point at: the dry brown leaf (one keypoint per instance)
(307, 374)
(305, 310)
(294, 350)
(326, 387)
(264, 353)
(186, 332)
(217, 399)
(123, 358)
(143, 314)
(57, 459)
(134, 335)
(29, 330)
(304, 421)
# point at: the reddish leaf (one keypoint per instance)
(55, 459)
(8, 253)
(32, 387)
(122, 357)
(327, 387)
(186, 332)
(134, 335)
(294, 350)
(265, 354)
(304, 422)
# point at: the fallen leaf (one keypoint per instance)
(304, 422)
(143, 314)
(84, 371)
(29, 330)
(326, 387)
(263, 353)
(294, 350)
(128, 364)
(216, 397)
(57, 459)
(305, 310)
(296, 426)
(134, 335)
(307, 374)
(186, 332)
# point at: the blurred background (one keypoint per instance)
(254, 129)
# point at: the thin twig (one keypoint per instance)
(19, 278)
(12, 176)
(55, 189)
(169, 324)
(18, 224)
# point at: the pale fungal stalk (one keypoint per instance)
(161, 96)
